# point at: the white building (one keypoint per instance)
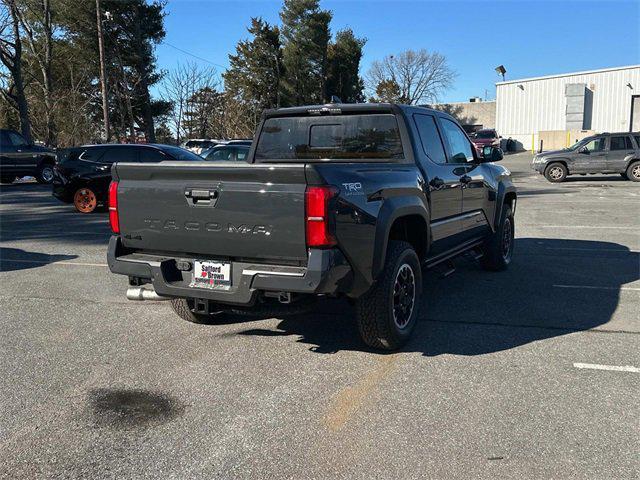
(606, 100)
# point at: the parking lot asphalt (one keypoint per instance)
(533, 372)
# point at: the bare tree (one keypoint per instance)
(35, 20)
(420, 76)
(181, 87)
(11, 58)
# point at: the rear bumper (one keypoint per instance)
(327, 272)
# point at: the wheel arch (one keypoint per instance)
(401, 218)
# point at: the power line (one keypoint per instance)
(192, 55)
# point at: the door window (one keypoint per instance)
(637, 137)
(4, 140)
(223, 154)
(460, 150)
(595, 145)
(150, 155)
(16, 139)
(430, 138)
(620, 143)
(120, 154)
(241, 154)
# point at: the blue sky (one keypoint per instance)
(529, 38)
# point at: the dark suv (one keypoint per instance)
(603, 153)
(18, 158)
(82, 174)
(335, 200)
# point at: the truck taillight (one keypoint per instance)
(114, 220)
(317, 216)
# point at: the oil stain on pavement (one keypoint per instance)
(130, 408)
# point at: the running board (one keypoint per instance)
(443, 257)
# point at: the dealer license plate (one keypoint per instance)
(211, 274)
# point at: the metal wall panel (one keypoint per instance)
(525, 107)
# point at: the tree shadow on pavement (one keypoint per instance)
(12, 259)
(475, 312)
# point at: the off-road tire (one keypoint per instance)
(44, 174)
(556, 172)
(8, 179)
(183, 310)
(375, 309)
(495, 257)
(633, 171)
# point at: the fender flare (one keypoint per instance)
(392, 209)
(503, 190)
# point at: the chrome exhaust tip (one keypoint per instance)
(140, 293)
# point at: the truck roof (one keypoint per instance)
(346, 108)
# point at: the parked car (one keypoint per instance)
(482, 138)
(19, 158)
(229, 153)
(198, 145)
(603, 153)
(82, 174)
(337, 200)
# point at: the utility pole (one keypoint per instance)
(103, 76)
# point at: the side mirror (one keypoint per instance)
(491, 154)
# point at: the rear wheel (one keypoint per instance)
(498, 249)
(85, 200)
(556, 172)
(388, 312)
(45, 173)
(633, 172)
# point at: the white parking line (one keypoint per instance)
(618, 250)
(597, 287)
(613, 368)
(41, 262)
(581, 226)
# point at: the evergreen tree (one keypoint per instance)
(255, 71)
(305, 34)
(343, 72)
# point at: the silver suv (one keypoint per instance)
(603, 153)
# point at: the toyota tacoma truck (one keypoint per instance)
(337, 200)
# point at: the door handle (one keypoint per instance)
(437, 183)
(465, 179)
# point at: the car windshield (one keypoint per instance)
(181, 154)
(373, 136)
(485, 134)
(581, 143)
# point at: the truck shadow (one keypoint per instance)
(12, 259)
(474, 312)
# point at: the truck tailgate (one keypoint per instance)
(235, 210)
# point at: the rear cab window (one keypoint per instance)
(330, 137)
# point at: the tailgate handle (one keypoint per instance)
(199, 196)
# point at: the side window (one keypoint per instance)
(92, 154)
(637, 137)
(224, 154)
(430, 138)
(241, 154)
(459, 146)
(16, 139)
(150, 155)
(4, 140)
(120, 154)
(596, 145)
(620, 143)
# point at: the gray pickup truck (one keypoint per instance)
(335, 200)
